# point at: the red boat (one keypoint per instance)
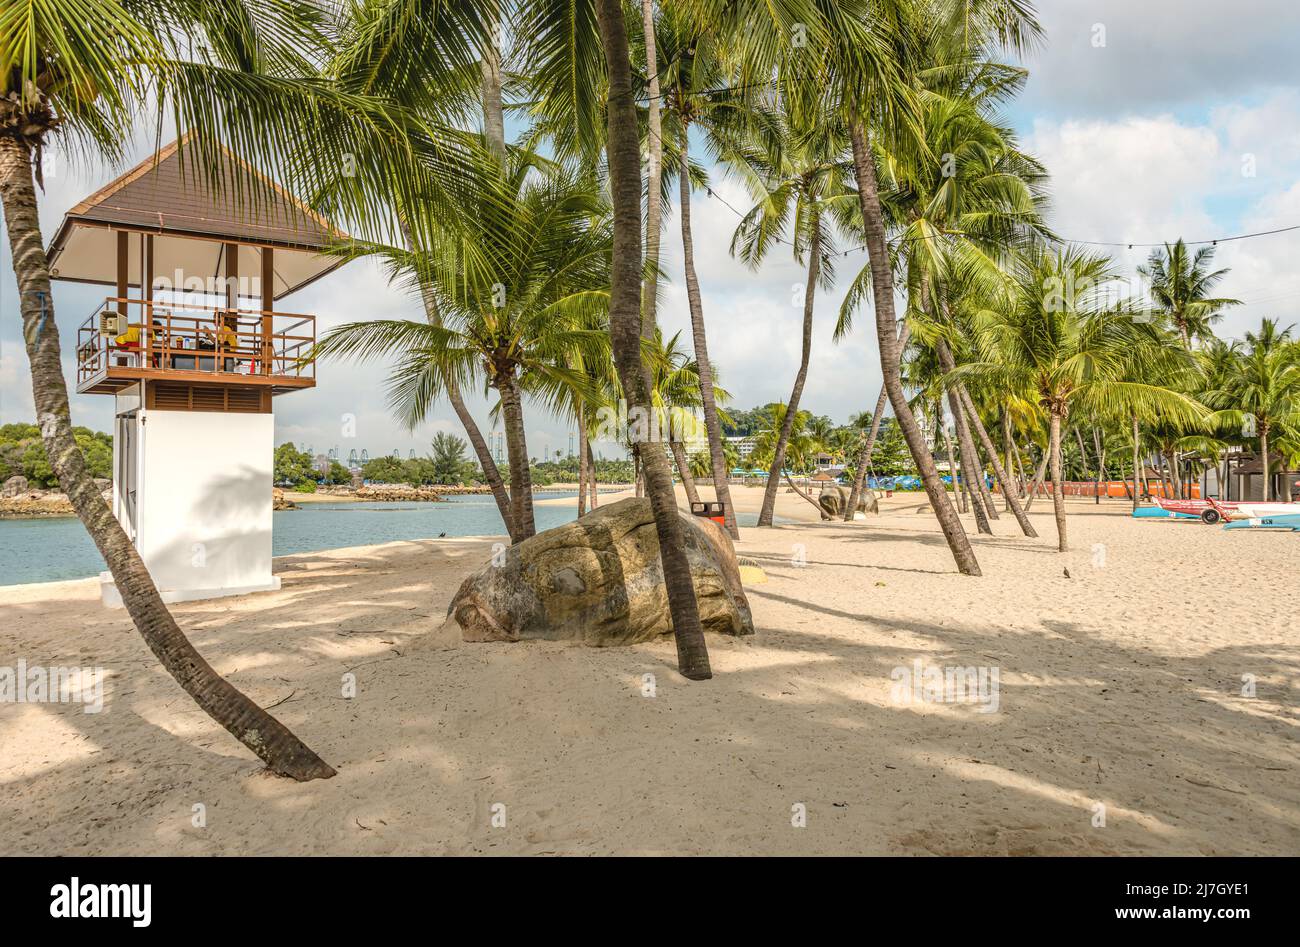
(1210, 511)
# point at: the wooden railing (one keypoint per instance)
(168, 337)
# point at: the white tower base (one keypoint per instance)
(193, 491)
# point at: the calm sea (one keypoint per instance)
(46, 550)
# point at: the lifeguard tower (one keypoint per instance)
(193, 349)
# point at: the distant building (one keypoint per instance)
(744, 445)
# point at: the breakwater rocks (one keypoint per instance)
(19, 499)
(396, 493)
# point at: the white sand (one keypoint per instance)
(1119, 685)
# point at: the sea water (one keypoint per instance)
(51, 548)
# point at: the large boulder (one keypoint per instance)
(835, 501)
(14, 486)
(599, 580)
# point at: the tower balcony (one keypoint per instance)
(195, 347)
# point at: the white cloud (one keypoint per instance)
(1159, 54)
(1157, 178)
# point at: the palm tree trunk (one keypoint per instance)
(978, 486)
(595, 483)
(1022, 481)
(1137, 464)
(971, 470)
(958, 496)
(1058, 488)
(787, 423)
(684, 470)
(481, 450)
(1100, 446)
(1037, 483)
(864, 456)
(494, 124)
(582, 467)
(624, 156)
(999, 472)
(882, 289)
(1083, 454)
(704, 367)
(252, 726)
(521, 486)
(1264, 465)
(654, 178)
(806, 496)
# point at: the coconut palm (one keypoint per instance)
(802, 182)
(519, 274)
(1264, 391)
(1052, 335)
(675, 393)
(623, 150)
(801, 443)
(384, 49)
(874, 85)
(699, 93)
(247, 72)
(1180, 284)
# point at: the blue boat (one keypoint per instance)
(1289, 521)
(1155, 513)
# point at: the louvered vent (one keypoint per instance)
(248, 400)
(170, 396)
(207, 399)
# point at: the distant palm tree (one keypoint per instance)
(1264, 391)
(698, 94)
(514, 312)
(802, 444)
(802, 185)
(675, 391)
(1069, 351)
(1180, 286)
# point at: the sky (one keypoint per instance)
(1157, 120)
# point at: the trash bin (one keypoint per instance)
(711, 510)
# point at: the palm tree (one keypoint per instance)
(623, 149)
(699, 94)
(802, 181)
(1180, 284)
(1264, 391)
(654, 174)
(801, 443)
(1051, 336)
(515, 312)
(874, 88)
(219, 68)
(675, 393)
(383, 49)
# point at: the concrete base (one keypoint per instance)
(111, 598)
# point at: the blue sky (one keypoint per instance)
(1146, 138)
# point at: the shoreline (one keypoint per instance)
(51, 504)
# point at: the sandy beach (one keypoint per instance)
(1120, 684)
